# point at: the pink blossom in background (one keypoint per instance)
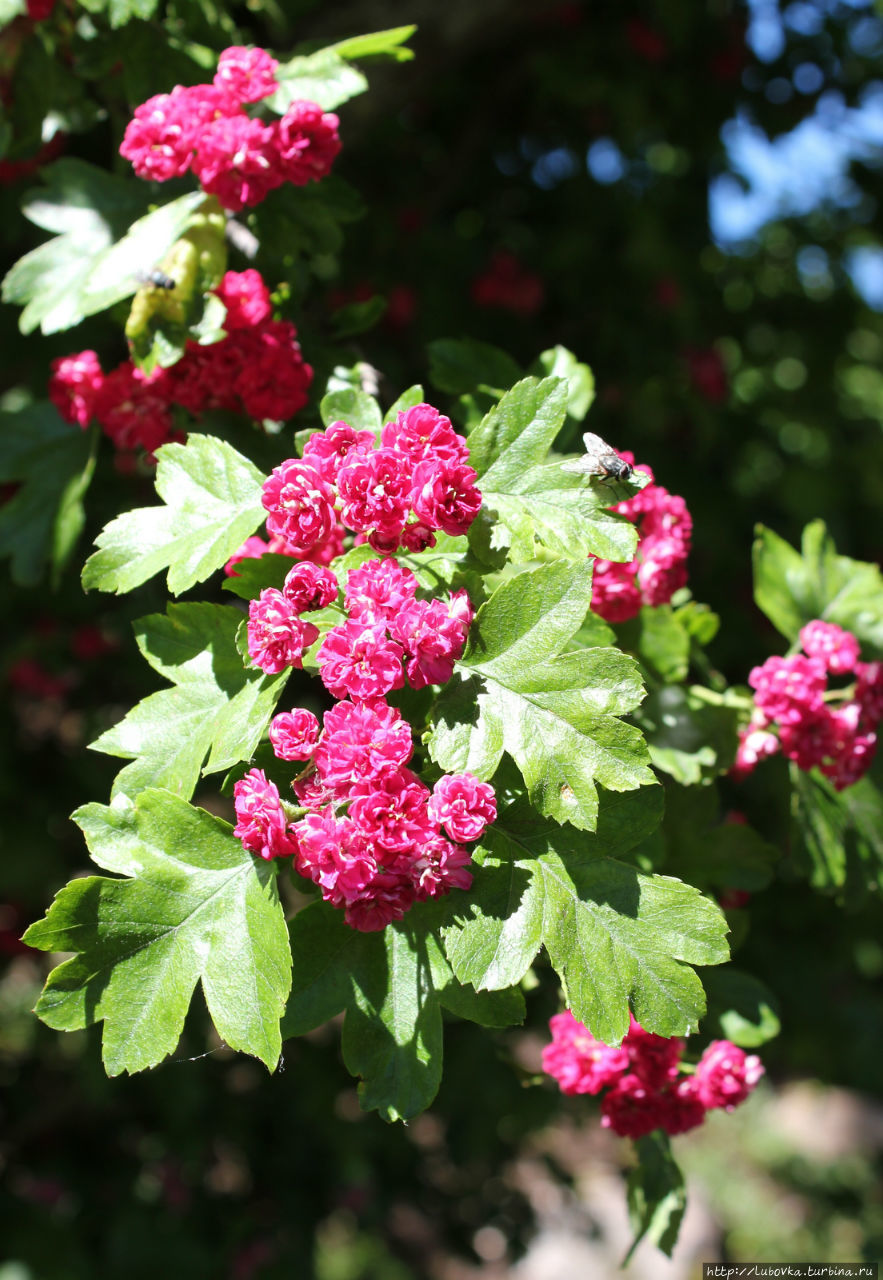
(245, 75)
(726, 1075)
(74, 386)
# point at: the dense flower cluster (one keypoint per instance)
(257, 369)
(796, 713)
(660, 565)
(239, 159)
(398, 495)
(367, 830)
(647, 1087)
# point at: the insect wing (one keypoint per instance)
(590, 462)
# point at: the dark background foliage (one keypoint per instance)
(748, 377)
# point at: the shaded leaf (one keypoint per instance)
(741, 1008)
(838, 835)
(657, 1197)
(457, 365)
(392, 985)
(52, 463)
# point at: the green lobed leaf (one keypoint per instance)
(709, 851)
(324, 77)
(194, 906)
(793, 588)
(741, 1008)
(558, 362)
(532, 501)
(556, 713)
(615, 936)
(212, 497)
(657, 1197)
(838, 835)
(95, 261)
(518, 432)
(558, 509)
(663, 644)
(407, 400)
(691, 731)
(392, 984)
(378, 44)
(458, 365)
(255, 573)
(354, 407)
(52, 463)
(217, 707)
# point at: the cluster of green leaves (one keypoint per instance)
(536, 705)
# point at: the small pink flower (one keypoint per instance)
(379, 589)
(437, 866)
(133, 407)
(306, 143)
(433, 638)
(261, 823)
(294, 734)
(358, 660)
(786, 689)
(272, 377)
(444, 495)
(424, 434)
(160, 138)
(246, 298)
(299, 505)
(330, 856)
(392, 811)
(361, 742)
(725, 1075)
(579, 1062)
(375, 491)
(309, 586)
(654, 1059)
(632, 1109)
(246, 75)
(463, 805)
(277, 637)
(328, 450)
(235, 160)
(75, 383)
(836, 648)
(616, 596)
(754, 745)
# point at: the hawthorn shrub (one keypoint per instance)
(445, 725)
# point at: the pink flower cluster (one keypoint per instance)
(388, 637)
(398, 495)
(371, 834)
(257, 369)
(235, 156)
(660, 566)
(647, 1088)
(814, 726)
